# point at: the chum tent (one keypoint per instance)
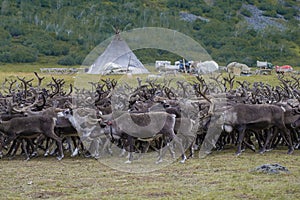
(117, 59)
(238, 68)
(207, 67)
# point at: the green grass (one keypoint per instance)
(221, 175)
(11, 71)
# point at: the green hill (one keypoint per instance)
(65, 31)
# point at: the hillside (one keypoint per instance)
(65, 31)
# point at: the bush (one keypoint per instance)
(67, 60)
(266, 6)
(246, 12)
(282, 10)
(250, 2)
(59, 49)
(14, 29)
(18, 54)
(72, 59)
(4, 37)
(270, 13)
(5, 54)
(46, 44)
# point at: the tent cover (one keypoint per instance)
(117, 59)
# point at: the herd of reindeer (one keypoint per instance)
(209, 112)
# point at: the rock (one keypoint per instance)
(259, 22)
(191, 17)
(271, 169)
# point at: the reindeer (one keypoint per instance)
(256, 117)
(135, 126)
(88, 128)
(22, 127)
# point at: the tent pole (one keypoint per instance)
(128, 64)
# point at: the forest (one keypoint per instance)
(64, 31)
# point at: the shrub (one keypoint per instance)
(246, 12)
(4, 37)
(19, 54)
(14, 29)
(72, 59)
(67, 60)
(270, 13)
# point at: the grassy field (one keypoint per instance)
(221, 175)
(12, 71)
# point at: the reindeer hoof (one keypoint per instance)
(128, 162)
(159, 161)
(290, 151)
(110, 152)
(34, 154)
(60, 157)
(11, 157)
(238, 153)
(262, 151)
(75, 153)
(252, 147)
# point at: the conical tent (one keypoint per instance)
(117, 59)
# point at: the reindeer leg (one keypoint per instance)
(25, 149)
(123, 151)
(269, 135)
(69, 145)
(15, 149)
(77, 144)
(171, 149)
(287, 137)
(179, 142)
(161, 152)
(296, 139)
(192, 150)
(107, 146)
(34, 149)
(59, 144)
(11, 148)
(47, 152)
(258, 138)
(145, 149)
(240, 140)
(131, 148)
(94, 148)
(98, 142)
(51, 134)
